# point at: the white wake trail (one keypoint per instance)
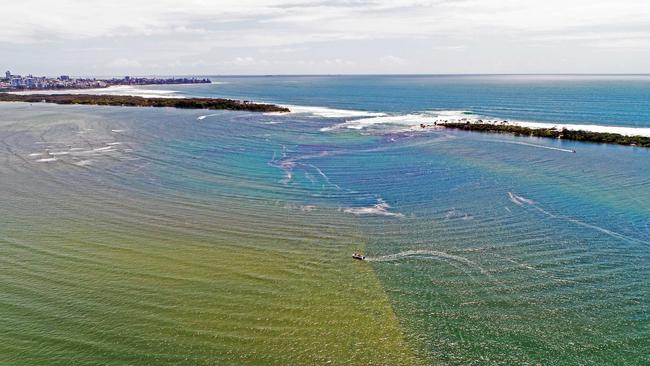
(426, 253)
(521, 201)
(538, 146)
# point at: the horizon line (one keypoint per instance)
(354, 74)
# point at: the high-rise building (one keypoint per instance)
(8, 74)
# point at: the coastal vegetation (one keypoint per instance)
(133, 101)
(575, 135)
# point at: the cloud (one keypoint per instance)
(393, 60)
(370, 32)
(73, 20)
(243, 61)
(124, 63)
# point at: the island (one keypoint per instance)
(133, 101)
(575, 135)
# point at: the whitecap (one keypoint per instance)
(46, 160)
(379, 209)
(83, 162)
(105, 148)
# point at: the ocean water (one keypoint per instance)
(163, 236)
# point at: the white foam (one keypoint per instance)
(412, 121)
(326, 112)
(401, 120)
(380, 209)
(96, 151)
(303, 208)
(46, 160)
(118, 131)
(35, 154)
(83, 162)
(105, 148)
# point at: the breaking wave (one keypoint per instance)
(429, 119)
(326, 112)
(401, 121)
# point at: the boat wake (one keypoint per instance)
(434, 254)
(522, 201)
(460, 263)
(519, 200)
(538, 146)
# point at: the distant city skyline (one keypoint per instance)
(198, 37)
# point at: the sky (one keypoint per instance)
(202, 37)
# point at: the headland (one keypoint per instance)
(133, 101)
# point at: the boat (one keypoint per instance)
(359, 256)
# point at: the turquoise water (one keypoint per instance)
(169, 236)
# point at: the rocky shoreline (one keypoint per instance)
(133, 101)
(565, 134)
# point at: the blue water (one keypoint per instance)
(492, 249)
(606, 100)
(495, 249)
